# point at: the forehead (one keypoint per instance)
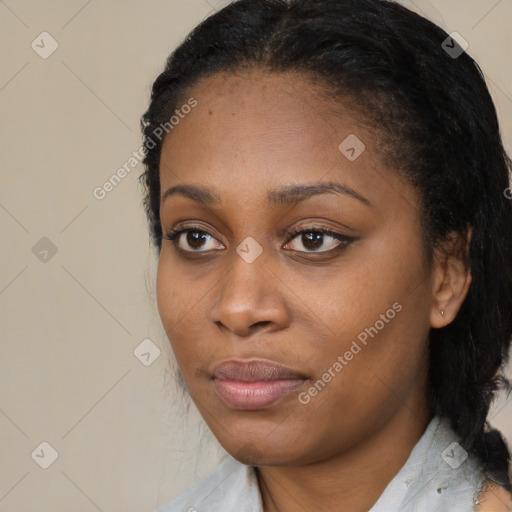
(253, 131)
(271, 113)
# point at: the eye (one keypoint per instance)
(314, 238)
(195, 238)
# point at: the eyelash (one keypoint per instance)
(173, 236)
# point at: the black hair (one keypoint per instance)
(438, 127)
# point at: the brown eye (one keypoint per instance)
(195, 240)
(312, 240)
(318, 240)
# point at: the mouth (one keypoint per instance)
(254, 384)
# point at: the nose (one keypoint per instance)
(251, 299)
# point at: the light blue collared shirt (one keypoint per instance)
(438, 476)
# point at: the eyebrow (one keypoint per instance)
(280, 197)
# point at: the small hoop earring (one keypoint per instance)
(443, 312)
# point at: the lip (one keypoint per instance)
(254, 384)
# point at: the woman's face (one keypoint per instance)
(348, 313)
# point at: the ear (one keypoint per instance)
(451, 278)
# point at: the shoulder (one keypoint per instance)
(494, 498)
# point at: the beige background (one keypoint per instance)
(70, 324)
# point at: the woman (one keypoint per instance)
(325, 183)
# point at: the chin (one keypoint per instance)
(261, 454)
(249, 454)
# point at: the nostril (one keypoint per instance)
(259, 324)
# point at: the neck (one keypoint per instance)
(352, 480)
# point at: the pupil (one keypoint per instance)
(192, 239)
(312, 240)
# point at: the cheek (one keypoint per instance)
(176, 293)
(378, 317)
(182, 307)
(165, 287)
(172, 295)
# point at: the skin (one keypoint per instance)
(494, 499)
(251, 133)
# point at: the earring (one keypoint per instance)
(443, 312)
